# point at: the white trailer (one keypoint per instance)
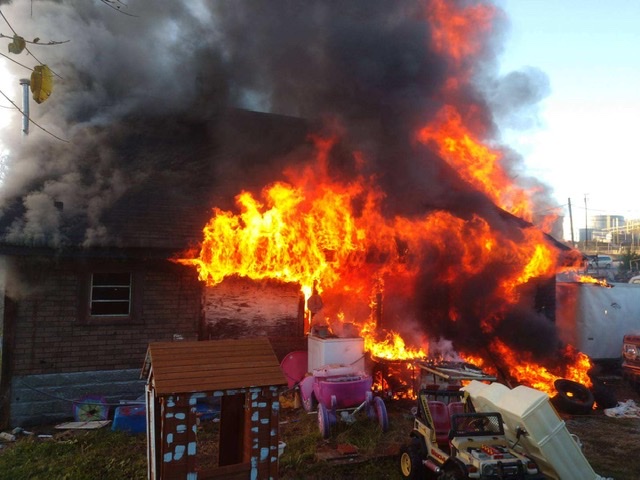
(594, 318)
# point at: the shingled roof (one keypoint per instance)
(146, 187)
(174, 171)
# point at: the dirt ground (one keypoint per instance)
(610, 444)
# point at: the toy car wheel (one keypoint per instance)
(453, 471)
(411, 466)
(369, 406)
(307, 395)
(323, 421)
(309, 404)
(573, 397)
(381, 412)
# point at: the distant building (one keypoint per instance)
(606, 222)
(585, 234)
(613, 229)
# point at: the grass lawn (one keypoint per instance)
(608, 444)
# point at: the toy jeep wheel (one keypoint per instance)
(411, 466)
(453, 471)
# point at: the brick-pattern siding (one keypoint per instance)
(51, 338)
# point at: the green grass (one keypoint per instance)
(107, 455)
(96, 455)
(377, 451)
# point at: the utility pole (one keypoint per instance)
(25, 82)
(573, 243)
(586, 224)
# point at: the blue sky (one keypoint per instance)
(588, 139)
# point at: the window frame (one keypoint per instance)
(135, 297)
(111, 294)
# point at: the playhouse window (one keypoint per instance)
(110, 294)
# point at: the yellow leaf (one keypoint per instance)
(41, 83)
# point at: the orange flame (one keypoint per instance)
(571, 274)
(290, 237)
(458, 33)
(315, 236)
(590, 279)
(574, 366)
(476, 163)
(391, 346)
(314, 230)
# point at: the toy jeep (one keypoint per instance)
(451, 442)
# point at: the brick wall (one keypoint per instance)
(51, 337)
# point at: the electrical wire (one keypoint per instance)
(31, 120)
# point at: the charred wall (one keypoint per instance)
(240, 308)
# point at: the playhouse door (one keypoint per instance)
(232, 420)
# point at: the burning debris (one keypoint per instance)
(402, 207)
(574, 276)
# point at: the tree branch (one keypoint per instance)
(36, 41)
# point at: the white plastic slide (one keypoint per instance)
(547, 439)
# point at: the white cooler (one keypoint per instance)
(335, 351)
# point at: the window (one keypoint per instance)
(110, 294)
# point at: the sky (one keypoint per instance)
(582, 142)
(585, 145)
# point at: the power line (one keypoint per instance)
(31, 120)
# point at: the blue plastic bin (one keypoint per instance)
(130, 418)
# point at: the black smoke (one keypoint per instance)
(367, 65)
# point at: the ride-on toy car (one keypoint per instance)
(334, 389)
(450, 441)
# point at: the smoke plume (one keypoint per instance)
(370, 66)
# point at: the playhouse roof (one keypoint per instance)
(213, 365)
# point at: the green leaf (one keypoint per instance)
(17, 46)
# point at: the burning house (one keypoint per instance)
(78, 312)
(351, 153)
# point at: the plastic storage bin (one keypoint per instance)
(130, 418)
